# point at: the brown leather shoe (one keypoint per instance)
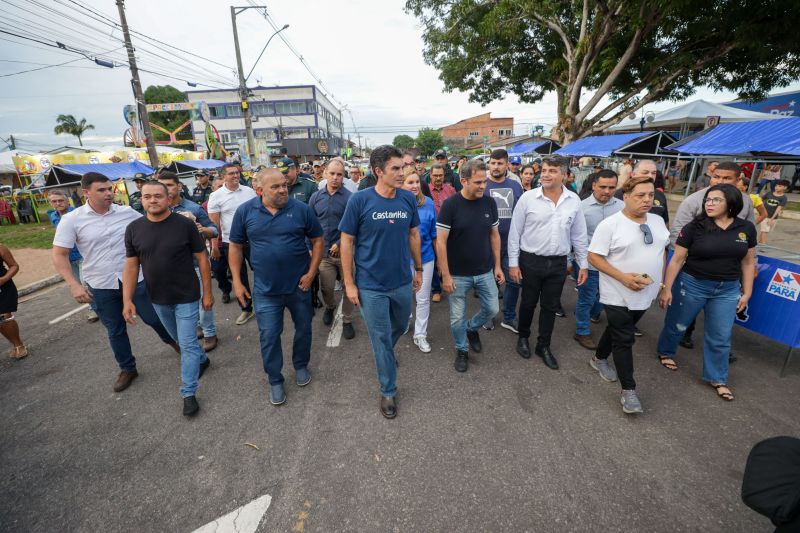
(174, 346)
(436, 297)
(585, 341)
(124, 380)
(209, 343)
(388, 407)
(199, 332)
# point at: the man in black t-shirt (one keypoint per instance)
(468, 252)
(164, 244)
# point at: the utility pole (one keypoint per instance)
(137, 88)
(248, 122)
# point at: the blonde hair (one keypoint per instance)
(408, 172)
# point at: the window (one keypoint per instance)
(299, 133)
(474, 134)
(290, 108)
(312, 107)
(216, 111)
(504, 133)
(261, 109)
(269, 135)
(234, 110)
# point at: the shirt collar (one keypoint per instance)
(89, 209)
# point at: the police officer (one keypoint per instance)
(135, 199)
(202, 191)
(300, 189)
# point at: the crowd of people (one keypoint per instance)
(393, 243)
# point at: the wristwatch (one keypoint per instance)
(418, 269)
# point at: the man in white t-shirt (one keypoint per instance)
(222, 205)
(629, 249)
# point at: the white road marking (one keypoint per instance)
(69, 314)
(335, 336)
(245, 519)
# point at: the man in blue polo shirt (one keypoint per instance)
(380, 236)
(276, 228)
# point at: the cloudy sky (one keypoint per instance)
(367, 53)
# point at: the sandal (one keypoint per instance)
(19, 352)
(668, 363)
(727, 396)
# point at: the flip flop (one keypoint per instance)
(668, 363)
(727, 396)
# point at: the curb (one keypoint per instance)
(39, 285)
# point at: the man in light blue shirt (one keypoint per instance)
(597, 207)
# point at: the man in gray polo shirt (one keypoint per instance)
(597, 207)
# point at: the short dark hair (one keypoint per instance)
(785, 183)
(167, 175)
(606, 173)
(153, 183)
(470, 167)
(499, 154)
(381, 155)
(437, 166)
(92, 177)
(528, 165)
(557, 161)
(226, 166)
(729, 165)
(733, 200)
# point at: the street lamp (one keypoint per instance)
(263, 49)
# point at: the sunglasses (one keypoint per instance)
(648, 234)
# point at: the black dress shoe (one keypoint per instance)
(203, 366)
(347, 331)
(547, 356)
(560, 312)
(190, 406)
(462, 361)
(327, 317)
(474, 341)
(388, 407)
(687, 343)
(226, 297)
(523, 348)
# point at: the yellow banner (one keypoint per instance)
(177, 106)
(35, 164)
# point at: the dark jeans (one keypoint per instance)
(269, 315)
(510, 293)
(542, 278)
(436, 281)
(109, 309)
(221, 272)
(618, 338)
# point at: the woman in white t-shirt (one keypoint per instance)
(629, 249)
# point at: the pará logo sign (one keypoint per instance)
(785, 284)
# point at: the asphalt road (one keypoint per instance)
(508, 446)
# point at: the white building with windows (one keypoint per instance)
(299, 118)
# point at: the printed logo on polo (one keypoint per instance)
(785, 284)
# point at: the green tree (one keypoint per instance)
(429, 140)
(403, 142)
(169, 120)
(605, 59)
(68, 124)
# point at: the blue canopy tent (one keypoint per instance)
(760, 139)
(193, 165)
(599, 145)
(71, 174)
(544, 147)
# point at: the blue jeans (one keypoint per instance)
(269, 315)
(386, 315)
(207, 321)
(588, 303)
(718, 299)
(486, 288)
(180, 320)
(109, 309)
(436, 282)
(510, 294)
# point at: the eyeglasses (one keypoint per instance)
(714, 201)
(648, 235)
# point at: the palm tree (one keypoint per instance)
(68, 124)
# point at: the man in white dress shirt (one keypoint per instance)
(547, 223)
(98, 228)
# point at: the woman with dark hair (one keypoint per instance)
(713, 266)
(586, 188)
(527, 176)
(8, 303)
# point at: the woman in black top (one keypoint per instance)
(713, 268)
(8, 303)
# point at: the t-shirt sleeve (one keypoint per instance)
(213, 204)
(686, 235)
(445, 220)
(601, 239)
(196, 241)
(238, 233)
(412, 205)
(349, 222)
(130, 249)
(495, 215)
(313, 227)
(65, 236)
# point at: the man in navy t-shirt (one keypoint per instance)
(276, 228)
(380, 236)
(468, 250)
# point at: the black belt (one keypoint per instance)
(543, 256)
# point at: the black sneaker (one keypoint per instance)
(637, 332)
(347, 331)
(190, 406)
(474, 341)
(226, 297)
(327, 317)
(687, 343)
(462, 361)
(203, 366)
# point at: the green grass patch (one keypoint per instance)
(793, 206)
(27, 236)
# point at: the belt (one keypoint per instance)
(543, 256)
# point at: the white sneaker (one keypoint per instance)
(422, 344)
(337, 286)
